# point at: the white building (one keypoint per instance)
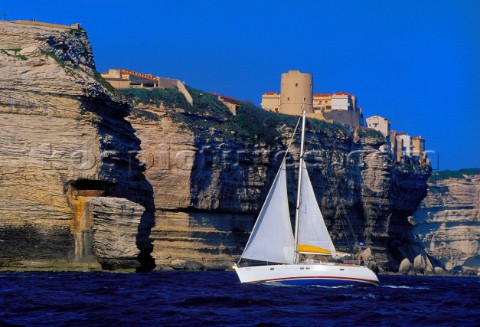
(404, 142)
(380, 124)
(343, 101)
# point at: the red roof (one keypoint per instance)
(132, 73)
(324, 95)
(225, 97)
(270, 93)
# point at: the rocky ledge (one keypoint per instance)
(447, 222)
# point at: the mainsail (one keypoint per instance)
(313, 236)
(272, 237)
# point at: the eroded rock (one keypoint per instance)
(447, 223)
(62, 127)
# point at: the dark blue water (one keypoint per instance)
(218, 299)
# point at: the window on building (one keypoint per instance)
(296, 84)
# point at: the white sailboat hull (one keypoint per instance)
(325, 274)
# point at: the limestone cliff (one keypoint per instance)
(211, 171)
(447, 223)
(77, 187)
(69, 179)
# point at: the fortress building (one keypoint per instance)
(296, 92)
(341, 108)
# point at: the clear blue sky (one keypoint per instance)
(412, 61)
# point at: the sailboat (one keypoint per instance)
(273, 242)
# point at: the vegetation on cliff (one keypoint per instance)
(14, 53)
(211, 119)
(371, 133)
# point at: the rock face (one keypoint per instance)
(209, 188)
(77, 189)
(64, 147)
(447, 223)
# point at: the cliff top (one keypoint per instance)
(211, 119)
(75, 26)
(461, 174)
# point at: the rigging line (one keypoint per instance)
(355, 239)
(291, 138)
(350, 249)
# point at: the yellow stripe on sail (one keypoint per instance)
(304, 248)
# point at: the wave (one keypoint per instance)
(407, 287)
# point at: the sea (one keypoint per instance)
(193, 298)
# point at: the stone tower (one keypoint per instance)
(296, 93)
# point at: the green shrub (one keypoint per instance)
(462, 173)
(324, 127)
(60, 61)
(144, 114)
(261, 125)
(102, 81)
(15, 53)
(171, 98)
(367, 132)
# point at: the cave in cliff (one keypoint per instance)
(79, 193)
(89, 187)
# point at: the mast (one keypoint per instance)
(297, 209)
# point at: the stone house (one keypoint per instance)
(124, 79)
